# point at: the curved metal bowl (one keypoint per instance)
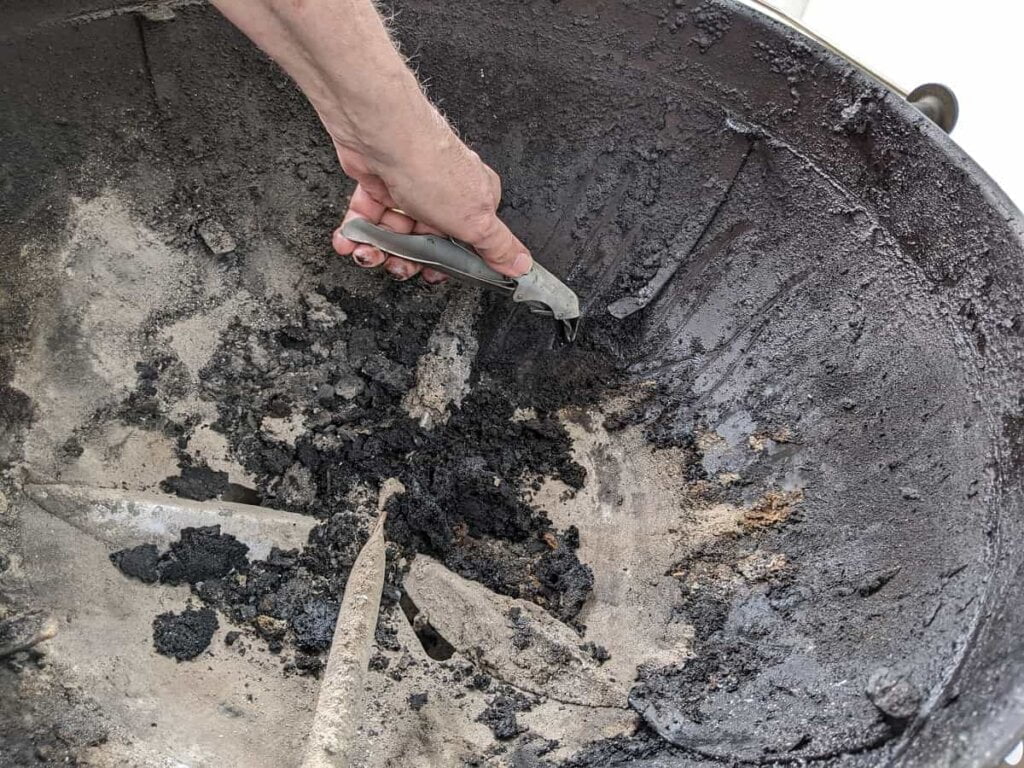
(786, 250)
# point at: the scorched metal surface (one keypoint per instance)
(801, 283)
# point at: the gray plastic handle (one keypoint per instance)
(432, 251)
(540, 290)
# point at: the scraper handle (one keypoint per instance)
(540, 290)
(432, 251)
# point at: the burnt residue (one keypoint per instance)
(290, 599)
(15, 417)
(465, 480)
(183, 636)
(199, 555)
(501, 712)
(199, 483)
(823, 241)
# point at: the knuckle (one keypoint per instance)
(493, 187)
(481, 226)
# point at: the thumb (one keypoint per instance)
(501, 249)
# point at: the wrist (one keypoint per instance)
(389, 127)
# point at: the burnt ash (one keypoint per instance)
(291, 598)
(722, 659)
(342, 365)
(183, 636)
(199, 483)
(500, 714)
(141, 562)
(200, 554)
(467, 480)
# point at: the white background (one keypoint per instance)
(976, 48)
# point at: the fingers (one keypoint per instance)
(398, 269)
(433, 277)
(500, 248)
(367, 256)
(360, 206)
(397, 222)
(430, 276)
(426, 229)
(364, 204)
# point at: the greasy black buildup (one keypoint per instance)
(313, 624)
(346, 364)
(200, 554)
(199, 483)
(185, 635)
(500, 714)
(141, 562)
(290, 596)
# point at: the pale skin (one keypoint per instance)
(413, 173)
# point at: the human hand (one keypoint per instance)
(395, 144)
(446, 189)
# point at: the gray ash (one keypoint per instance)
(342, 365)
(712, 21)
(722, 660)
(16, 412)
(598, 652)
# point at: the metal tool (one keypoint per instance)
(540, 290)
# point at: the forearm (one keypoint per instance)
(342, 57)
(412, 171)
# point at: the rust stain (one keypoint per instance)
(777, 435)
(773, 508)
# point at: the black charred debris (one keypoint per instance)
(344, 365)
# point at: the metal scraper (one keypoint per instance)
(540, 290)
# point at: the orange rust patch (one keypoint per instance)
(777, 435)
(773, 508)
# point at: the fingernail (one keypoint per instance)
(362, 256)
(521, 264)
(398, 273)
(434, 277)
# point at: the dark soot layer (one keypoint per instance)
(766, 230)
